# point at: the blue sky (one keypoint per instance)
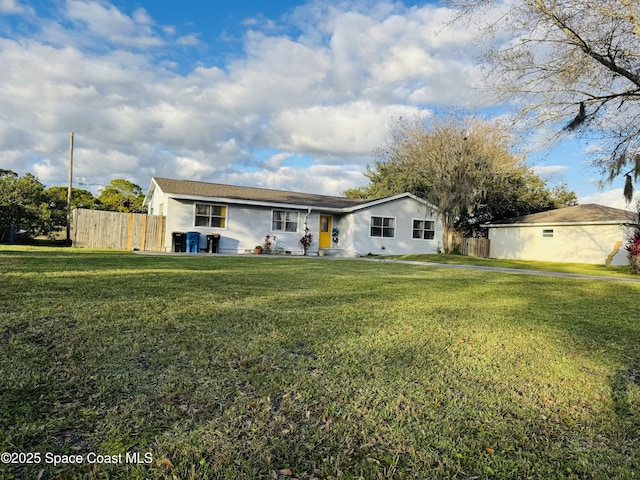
(282, 94)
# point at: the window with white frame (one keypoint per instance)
(547, 233)
(284, 221)
(212, 216)
(384, 227)
(423, 230)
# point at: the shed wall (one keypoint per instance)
(593, 244)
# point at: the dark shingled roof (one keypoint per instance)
(588, 213)
(203, 189)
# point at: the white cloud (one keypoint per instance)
(355, 128)
(408, 57)
(13, 7)
(44, 169)
(611, 198)
(142, 17)
(12, 159)
(275, 161)
(328, 95)
(595, 149)
(169, 30)
(188, 41)
(320, 179)
(107, 22)
(549, 170)
(191, 168)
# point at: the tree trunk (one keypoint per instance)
(446, 237)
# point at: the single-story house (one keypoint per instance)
(244, 216)
(588, 233)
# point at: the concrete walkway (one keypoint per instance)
(516, 271)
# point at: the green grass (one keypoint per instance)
(579, 268)
(257, 367)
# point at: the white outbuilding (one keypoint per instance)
(589, 233)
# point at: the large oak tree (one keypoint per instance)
(23, 203)
(122, 196)
(464, 167)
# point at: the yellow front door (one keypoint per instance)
(325, 231)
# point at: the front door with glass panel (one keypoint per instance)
(324, 240)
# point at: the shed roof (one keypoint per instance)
(217, 190)
(578, 214)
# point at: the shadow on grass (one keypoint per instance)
(621, 383)
(243, 367)
(598, 321)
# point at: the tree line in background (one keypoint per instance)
(37, 210)
(466, 168)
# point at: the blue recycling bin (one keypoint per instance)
(193, 241)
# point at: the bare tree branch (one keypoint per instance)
(570, 64)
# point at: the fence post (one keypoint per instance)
(143, 238)
(76, 212)
(130, 232)
(161, 231)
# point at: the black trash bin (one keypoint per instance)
(213, 242)
(179, 242)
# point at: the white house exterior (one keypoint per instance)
(243, 216)
(590, 233)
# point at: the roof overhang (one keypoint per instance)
(152, 187)
(257, 203)
(291, 206)
(553, 224)
(379, 201)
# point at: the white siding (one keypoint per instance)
(404, 210)
(570, 243)
(157, 203)
(246, 227)
(345, 225)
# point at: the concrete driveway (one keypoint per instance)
(508, 270)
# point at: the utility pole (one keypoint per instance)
(69, 190)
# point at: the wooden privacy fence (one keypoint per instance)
(120, 231)
(475, 247)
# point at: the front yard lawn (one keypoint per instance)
(257, 367)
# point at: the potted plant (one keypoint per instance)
(267, 246)
(258, 249)
(306, 240)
